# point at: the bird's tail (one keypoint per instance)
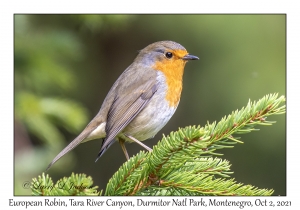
(68, 148)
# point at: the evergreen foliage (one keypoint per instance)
(76, 184)
(184, 162)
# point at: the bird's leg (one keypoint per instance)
(137, 141)
(122, 143)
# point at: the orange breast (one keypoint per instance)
(173, 71)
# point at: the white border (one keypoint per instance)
(291, 8)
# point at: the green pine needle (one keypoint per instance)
(183, 162)
(76, 184)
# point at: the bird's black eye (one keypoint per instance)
(169, 55)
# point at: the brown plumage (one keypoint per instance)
(141, 101)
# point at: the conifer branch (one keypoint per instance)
(76, 184)
(183, 162)
(184, 147)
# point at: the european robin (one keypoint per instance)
(141, 101)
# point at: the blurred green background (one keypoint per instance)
(64, 65)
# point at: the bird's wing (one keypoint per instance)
(124, 109)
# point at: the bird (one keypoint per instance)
(140, 102)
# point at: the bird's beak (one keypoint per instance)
(190, 57)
